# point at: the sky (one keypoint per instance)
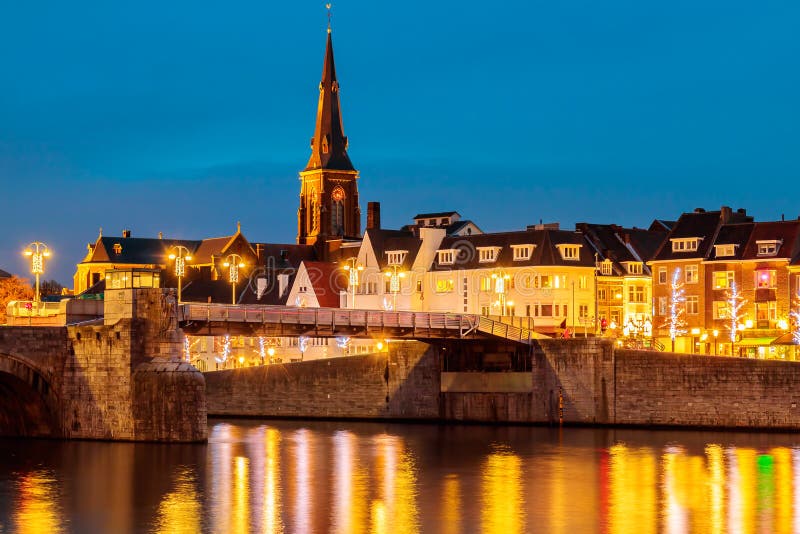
(186, 117)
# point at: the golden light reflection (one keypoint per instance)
(220, 478)
(180, 509)
(503, 505)
(716, 487)
(36, 509)
(302, 482)
(350, 483)
(783, 489)
(272, 483)
(240, 507)
(744, 518)
(632, 496)
(451, 505)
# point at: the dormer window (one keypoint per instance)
(768, 247)
(570, 252)
(685, 244)
(522, 252)
(634, 267)
(396, 257)
(723, 251)
(117, 248)
(447, 256)
(488, 254)
(605, 267)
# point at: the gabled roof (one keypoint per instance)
(383, 241)
(786, 232)
(701, 224)
(328, 280)
(545, 251)
(218, 290)
(732, 234)
(135, 250)
(619, 245)
(284, 256)
(456, 227)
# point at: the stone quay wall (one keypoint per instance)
(577, 381)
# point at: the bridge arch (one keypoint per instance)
(27, 400)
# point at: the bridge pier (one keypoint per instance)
(122, 379)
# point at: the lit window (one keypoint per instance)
(487, 254)
(691, 274)
(602, 294)
(447, 257)
(685, 244)
(583, 282)
(542, 281)
(583, 311)
(396, 257)
(570, 252)
(486, 283)
(636, 294)
(765, 279)
(634, 268)
(662, 275)
(721, 309)
(444, 285)
(522, 252)
(766, 311)
(692, 304)
(725, 250)
(723, 279)
(768, 248)
(605, 267)
(662, 305)
(117, 248)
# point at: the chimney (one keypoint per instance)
(627, 237)
(699, 210)
(126, 234)
(161, 235)
(725, 214)
(373, 215)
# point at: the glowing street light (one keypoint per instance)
(37, 252)
(181, 256)
(233, 262)
(394, 277)
(353, 269)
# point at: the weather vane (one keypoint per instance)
(328, 7)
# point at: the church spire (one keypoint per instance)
(329, 144)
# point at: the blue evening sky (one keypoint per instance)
(184, 117)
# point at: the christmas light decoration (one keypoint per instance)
(676, 322)
(735, 305)
(795, 315)
(226, 350)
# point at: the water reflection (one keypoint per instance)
(286, 477)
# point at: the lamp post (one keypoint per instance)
(233, 262)
(394, 277)
(353, 268)
(181, 256)
(500, 280)
(37, 251)
(715, 333)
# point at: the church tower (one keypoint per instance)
(328, 185)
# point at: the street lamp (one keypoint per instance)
(233, 262)
(394, 277)
(181, 256)
(353, 268)
(37, 251)
(500, 281)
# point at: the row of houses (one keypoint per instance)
(596, 279)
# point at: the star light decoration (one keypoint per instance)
(676, 322)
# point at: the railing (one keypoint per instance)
(27, 308)
(329, 319)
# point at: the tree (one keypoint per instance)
(676, 322)
(50, 287)
(735, 303)
(13, 288)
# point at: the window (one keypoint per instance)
(768, 247)
(542, 281)
(419, 286)
(692, 304)
(522, 252)
(117, 248)
(765, 279)
(723, 279)
(337, 211)
(560, 280)
(634, 267)
(446, 257)
(485, 310)
(662, 275)
(396, 257)
(583, 282)
(486, 283)
(444, 285)
(685, 244)
(766, 311)
(721, 309)
(691, 274)
(662, 305)
(636, 294)
(487, 254)
(583, 311)
(432, 222)
(368, 287)
(605, 267)
(570, 252)
(602, 294)
(724, 250)
(546, 310)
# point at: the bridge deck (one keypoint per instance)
(284, 321)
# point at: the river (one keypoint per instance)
(351, 477)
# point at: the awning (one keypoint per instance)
(755, 341)
(785, 339)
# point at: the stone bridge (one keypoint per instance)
(118, 378)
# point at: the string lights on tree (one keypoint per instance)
(795, 315)
(735, 303)
(676, 322)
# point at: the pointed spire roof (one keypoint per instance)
(329, 144)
